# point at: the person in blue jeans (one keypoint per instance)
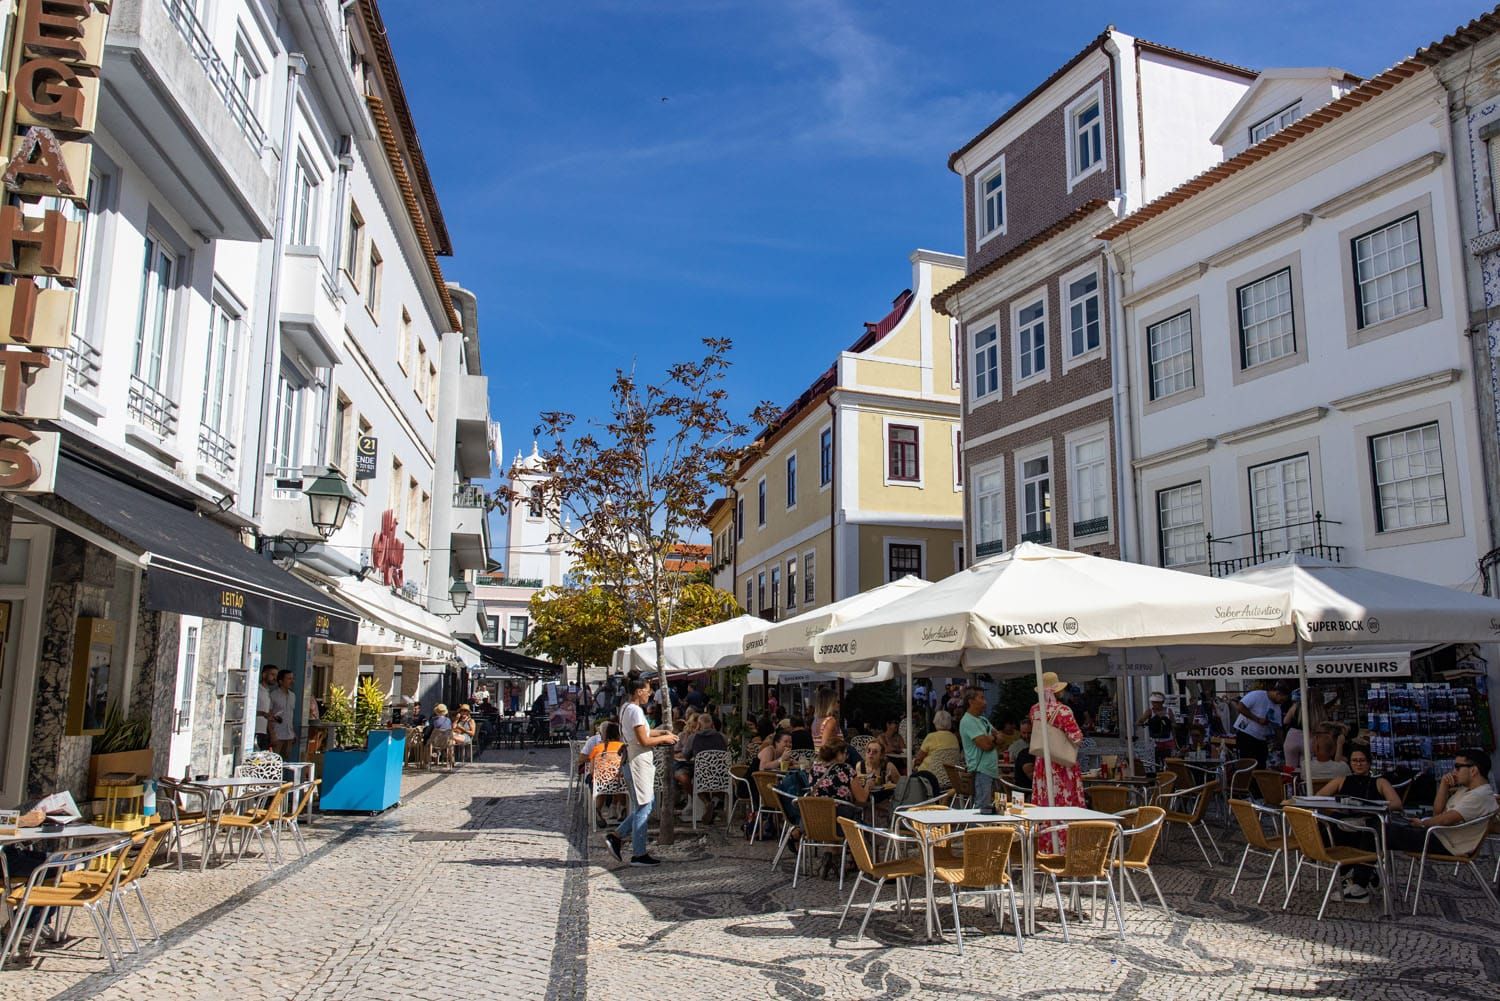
(979, 743)
(640, 778)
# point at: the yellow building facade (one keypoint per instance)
(858, 481)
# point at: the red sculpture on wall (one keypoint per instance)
(388, 551)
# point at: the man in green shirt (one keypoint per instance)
(979, 743)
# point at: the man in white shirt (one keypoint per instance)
(1259, 717)
(284, 715)
(263, 711)
(1463, 795)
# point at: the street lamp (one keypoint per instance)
(329, 498)
(459, 594)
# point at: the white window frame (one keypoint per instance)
(955, 346)
(885, 451)
(791, 582)
(958, 458)
(809, 578)
(1022, 456)
(1093, 433)
(510, 625)
(221, 366)
(157, 309)
(306, 217)
(981, 205)
(1377, 487)
(1071, 360)
(993, 393)
(749, 596)
(1277, 119)
(1291, 538)
(978, 537)
(824, 482)
(776, 596)
(1415, 218)
(1077, 106)
(1192, 353)
(246, 64)
(760, 504)
(289, 415)
(885, 548)
(739, 519)
(791, 481)
(1201, 482)
(760, 589)
(1043, 374)
(1453, 478)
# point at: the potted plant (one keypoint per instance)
(123, 748)
(364, 773)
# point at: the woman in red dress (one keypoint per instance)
(1066, 785)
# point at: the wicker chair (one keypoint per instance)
(1109, 799)
(820, 829)
(1140, 840)
(185, 807)
(1314, 851)
(1179, 768)
(1433, 850)
(1084, 863)
(1165, 783)
(1199, 796)
(962, 782)
(258, 820)
(900, 869)
(300, 797)
(94, 900)
(142, 850)
(1270, 784)
(1257, 841)
(983, 868)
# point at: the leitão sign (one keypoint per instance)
(49, 113)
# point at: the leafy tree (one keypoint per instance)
(626, 490)
(581, 624)
(700, 604)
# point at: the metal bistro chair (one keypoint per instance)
(1084, 863)
(1192, 819)
(1139, 843)
(711, 775)
(1165, 783)
(1257, 841)
(1314, 851)
(266, 765)
(860, 743)
(819, 827)
(962, 782)
(94, 899)
(937, 764)
(769, 806)
(256, 819)
(1108, 799)
(141, 851)
(901, 869)
(301, 797)
(186, 807)
(1270, 784)
(983, 868)
(1439, 853)
(739, 792)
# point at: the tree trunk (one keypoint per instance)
(668, 833)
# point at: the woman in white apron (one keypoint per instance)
(640, 777)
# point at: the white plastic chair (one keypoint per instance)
(711, 775)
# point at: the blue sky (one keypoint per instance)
(774, 197)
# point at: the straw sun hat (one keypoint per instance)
(440, 710)
(1051, 682)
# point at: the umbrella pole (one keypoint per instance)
(1306, 715)
(1127, 714)
(1041, 699)
(910, 763)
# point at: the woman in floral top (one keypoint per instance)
(834, 778)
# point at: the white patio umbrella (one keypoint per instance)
(1035, 599)
(790, 642)
(694, 650)
(1335, 604)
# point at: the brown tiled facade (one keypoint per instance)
(1036, 178)
(1069, 385)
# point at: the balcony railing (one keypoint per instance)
(1041, 535)
(192, 32)
(1305, 538)
(83, 362)
(493, 581)
(216, 450)
(1093, 526)
(152, 409)
(470, 495)
(286, 481)
(990, 548)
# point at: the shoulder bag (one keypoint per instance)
(1057, 743)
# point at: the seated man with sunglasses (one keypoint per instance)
(1464, 794)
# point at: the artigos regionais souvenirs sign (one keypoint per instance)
(49, 113)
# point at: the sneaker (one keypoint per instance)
(1355, 894)
(645, 859)
(613, 840)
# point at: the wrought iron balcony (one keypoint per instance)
(216, 450)
(1093, 526)
(1304, 538)
(470, 495)
(183, 16)
(152, 409)
(1041, 535)
(83, 361)
(990, 548)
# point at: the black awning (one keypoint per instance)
(508, 663)
(197, 567)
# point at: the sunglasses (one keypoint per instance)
(1461, 764)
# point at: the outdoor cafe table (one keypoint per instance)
(1030, 818)
(1359, 807)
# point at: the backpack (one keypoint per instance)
(912, 789)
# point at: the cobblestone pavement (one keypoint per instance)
(530, 905)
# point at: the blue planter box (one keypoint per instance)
(367, 781)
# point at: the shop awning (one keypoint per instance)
(195, 566)
(497, 661)
(389, 619)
